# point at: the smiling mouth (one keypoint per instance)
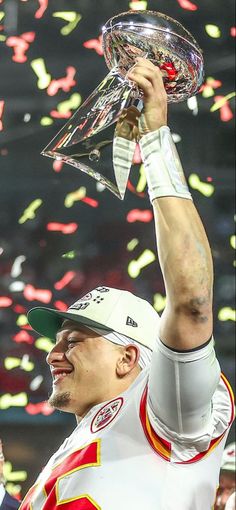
(60, 376)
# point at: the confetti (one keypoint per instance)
(208, 88)
(5, 302)
(32, 294)
(205, 188)
(29, 212)
(39, 68)
(159, 302)
(138, 5)
(135, 266)
(13, 476)
(16, 269)
(94, 44)
(36, 383)
(69, 255)
(63, 83)
(2, 103)
(193, 104)
(43, 6)
(57, 165)
(39, 408)
(65, 228)
(72, 197)
(23, 336)
(72, 17)
(142, 180)
(17, 286)
(24, 363)
(137, 215)
(222, 104)
(46, 121)
(44, 344)
(213, 31)
(186, 4)
(233, 242)
(60, 305)
(132, 244)
(20, 45)
(67, 278)
(233, 31)
(227, 314)
(64, 108)
(19, 400)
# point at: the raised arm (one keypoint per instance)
(183, 248)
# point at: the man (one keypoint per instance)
(152, 410)
(226, 492)
(7, 502)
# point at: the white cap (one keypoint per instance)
(107, 308)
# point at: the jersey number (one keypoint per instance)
(52, 497)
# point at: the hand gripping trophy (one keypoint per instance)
(88, 139)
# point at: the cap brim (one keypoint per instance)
(47, 321)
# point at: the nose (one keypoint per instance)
(56, 354)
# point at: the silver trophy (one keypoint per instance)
(86, 140)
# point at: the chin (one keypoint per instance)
(60, 401)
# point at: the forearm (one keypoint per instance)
(184, 254)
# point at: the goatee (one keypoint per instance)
(60, 401)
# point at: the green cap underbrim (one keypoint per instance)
(47, 321)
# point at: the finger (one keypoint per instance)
(152, 75)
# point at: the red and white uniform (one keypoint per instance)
(157, 446)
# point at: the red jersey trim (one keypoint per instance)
(163, 447)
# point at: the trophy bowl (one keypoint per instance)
(86, 140)
(162, 40)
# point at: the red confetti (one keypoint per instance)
(19, 309)
(63, 83)
(43, 6)
(233, 31)
(131, 188)
(31, 294)
(5, 302)
(60, 115)
(20, 45)
(138, 215)
(57, 165)
(137, 155)
(23, 336)
(41, 407)
(226, 113)
(60, 305)
(65, 228)
(94, 44)
(186, 4)
(211, 82)
(1, 114)
(65, 280)
(90, 201)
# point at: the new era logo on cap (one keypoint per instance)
(131, 322)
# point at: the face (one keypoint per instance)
(84, 369)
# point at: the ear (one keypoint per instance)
(127, 360)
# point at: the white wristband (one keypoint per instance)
(163, 169)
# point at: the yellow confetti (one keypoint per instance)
(22, 320)
(44, 78)
(138, 6)
(2, 14)
(135, 266)
(72, 17)
(29, 212)
(213, 31)
(222, 101)
(74, 196)
(44, 344)
(159, 302)
(13, 476)
(46, 121)
(69, 255)
(13, 488)
(142, 180)
(227, 314)
(233, 242)
(205, 188)
(8, 400)
(132, 244)
(70, 104)
(3, 37)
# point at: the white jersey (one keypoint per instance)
(119, 457)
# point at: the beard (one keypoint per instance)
(60, 401)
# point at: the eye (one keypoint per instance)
(71, 342)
